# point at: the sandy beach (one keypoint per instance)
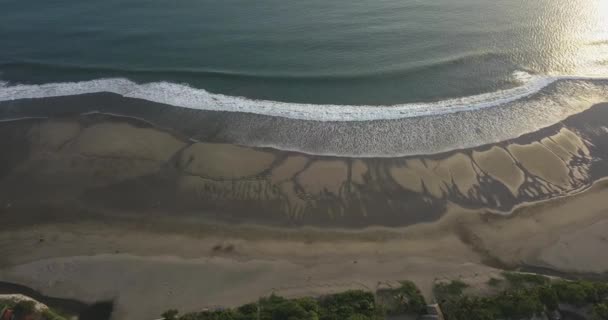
(103, 207)
(157, 264)
(202, 155)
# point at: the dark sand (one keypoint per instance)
(99, 206)
(109, 163)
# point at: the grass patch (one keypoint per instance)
(528, 296)
(450, 289)
(494, 282)
(525, 279)
(406, 299)
(349, 305)
(600, 311)
(524, 296)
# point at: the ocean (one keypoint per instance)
(192, 154)
(347, 78)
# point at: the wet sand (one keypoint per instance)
(100, 207)
(109, 163)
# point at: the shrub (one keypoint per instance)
(519, 304)
(469, 308)
(309, 304)
(408, 299)
(525, 279)
(24, 308)
(210, 315)
(170, 314)
(493, 282)
(451, 289)
(348, 305)
(548, 297)
(286, 310)
(525, 296)
(247, 312)
(600, 311)
(577, 293)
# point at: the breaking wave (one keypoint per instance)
(345, 130)
(181, 95)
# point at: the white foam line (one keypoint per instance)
(180, 95)
(20, 119)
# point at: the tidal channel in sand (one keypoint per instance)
(108, 207)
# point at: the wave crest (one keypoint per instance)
(181, 95)
(337, 130)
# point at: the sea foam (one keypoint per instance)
(181, 95)
(348, 130)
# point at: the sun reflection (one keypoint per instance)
(596, 48)
(582, 36)
(598, 16)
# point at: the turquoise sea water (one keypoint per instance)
(322, 60)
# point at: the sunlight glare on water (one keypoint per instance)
(341, 52)
(588, 34)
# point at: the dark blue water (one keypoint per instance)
(314, 51)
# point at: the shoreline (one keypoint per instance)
(391, 138)
(110, 208)
(288, 188)
(200, 99)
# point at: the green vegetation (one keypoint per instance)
(349, 305)
(406, 299)
(580, 293)
(450, 289)
(600, 311)
(521, 280)
(170, 314)
(493, 282)
(525, 296)
(517, 296)
(52, 315)
(21, 309)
